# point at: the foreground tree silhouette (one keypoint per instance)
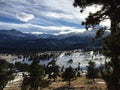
(6, 73)
(35, 78)
(110, 10)
(68, 75)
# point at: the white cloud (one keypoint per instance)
(42, 29)
(66, 11)
(106, 23)
(71, 31)
(58, 15)
(24, 16)
(47, 15)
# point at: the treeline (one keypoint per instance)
(20, 51)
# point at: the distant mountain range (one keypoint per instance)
(14, 39)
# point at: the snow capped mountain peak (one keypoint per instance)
(41, 35)
(46, 36)
(71, 40)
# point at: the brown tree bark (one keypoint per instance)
(114, 83)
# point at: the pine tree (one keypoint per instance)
(91, 71)
(6, 73)
(68, 75)
(110, 10)
(52, 70)
(78, 70)
(35, 79)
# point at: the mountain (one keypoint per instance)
(14, 39)
(12, 32)
(8, 35)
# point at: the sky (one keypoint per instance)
(43, 16)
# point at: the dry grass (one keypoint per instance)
(84, 83)
(78, 84)
(13, 86)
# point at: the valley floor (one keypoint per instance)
(80, 83)
(62, 59)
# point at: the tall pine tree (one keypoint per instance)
(110, 10)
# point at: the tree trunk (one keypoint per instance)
(114, 24)
(69, 83)
(54, 79)
(1, 88)
(114, 83)
(93, 81)
(40, 88)
(115, 78)
(35, 88)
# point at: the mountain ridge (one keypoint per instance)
(17, 40)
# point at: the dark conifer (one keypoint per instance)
(52, 70)
(6, 73)
(35, 78)
(91, 71)
(68, 75)
(110, 9)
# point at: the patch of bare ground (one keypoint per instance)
(13, 86)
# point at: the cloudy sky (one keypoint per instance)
(42, 16)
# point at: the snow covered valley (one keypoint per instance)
(69, 58)
(65, 58)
